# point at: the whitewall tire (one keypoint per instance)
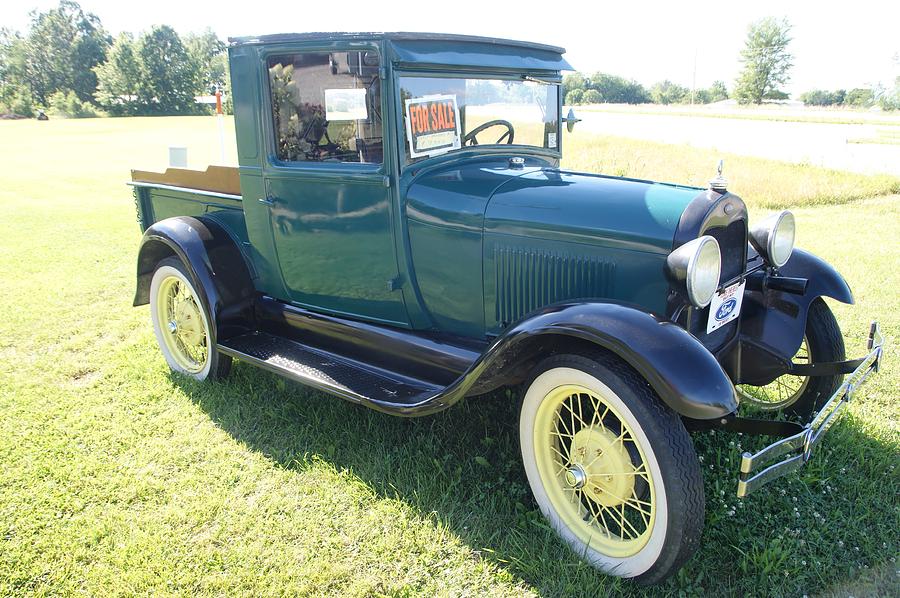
(611, 468)
(181, 323)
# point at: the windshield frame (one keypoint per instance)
(551, 78)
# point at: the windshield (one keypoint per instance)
(443, 114)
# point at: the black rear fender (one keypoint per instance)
(216, 264)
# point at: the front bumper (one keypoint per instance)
(757, 469)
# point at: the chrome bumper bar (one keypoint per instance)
(756, 470)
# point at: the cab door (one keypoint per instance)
(327, 192)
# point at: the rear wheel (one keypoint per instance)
(803, 395)
(182, 324)
(611, 468)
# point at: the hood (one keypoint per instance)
(573, 207)
(457, 195)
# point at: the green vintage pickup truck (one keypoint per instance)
(399, 234)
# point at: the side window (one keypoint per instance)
(326, 107)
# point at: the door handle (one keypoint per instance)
(266, 201)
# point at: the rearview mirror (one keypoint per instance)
(570, 120)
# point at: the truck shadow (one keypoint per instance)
(463, 467)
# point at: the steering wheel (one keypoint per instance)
(470, 139)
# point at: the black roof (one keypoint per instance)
(397, 35)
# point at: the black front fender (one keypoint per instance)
(684, 374)
(773, 322)
(214, 261)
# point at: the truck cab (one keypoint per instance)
(367, 164)
(399, 233)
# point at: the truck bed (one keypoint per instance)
(184, 192)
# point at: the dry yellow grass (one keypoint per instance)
(761, 183)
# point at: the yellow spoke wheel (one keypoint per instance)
(611, 467)
(181, 324)
(594, 471)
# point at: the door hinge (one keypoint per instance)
(382, 73)
(386, 181)
(395, 283)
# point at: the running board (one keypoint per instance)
(336, 375)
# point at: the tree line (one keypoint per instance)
(67, 63)
(767, 63)
(603, 88)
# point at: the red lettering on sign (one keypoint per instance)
(423, 119)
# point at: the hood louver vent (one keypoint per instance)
(529, 279)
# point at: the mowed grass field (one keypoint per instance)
(118, 478)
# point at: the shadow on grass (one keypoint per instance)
(463, 468)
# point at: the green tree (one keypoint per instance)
(592, 96)
(207, 52)
(617, 90)
(119, 78)
(666, 92)
(573, 81)
(168, 80)
(701, 96)
(15, 93)
(860, 98)
(63, 46)
(767, 61)
(575, 97)
(889, 99)
(821, 97)
(718, 91)
(67, 105)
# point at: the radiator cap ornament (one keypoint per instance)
(719, 184)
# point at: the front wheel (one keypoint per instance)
(612, 468)
(182, 324)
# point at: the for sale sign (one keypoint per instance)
(432, 125)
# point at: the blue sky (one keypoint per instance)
(846, 44)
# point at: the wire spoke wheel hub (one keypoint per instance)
(607, 464)
(594, 471)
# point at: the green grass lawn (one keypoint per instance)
(119, 478)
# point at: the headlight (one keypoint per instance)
(773, 238)
(696, 266)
